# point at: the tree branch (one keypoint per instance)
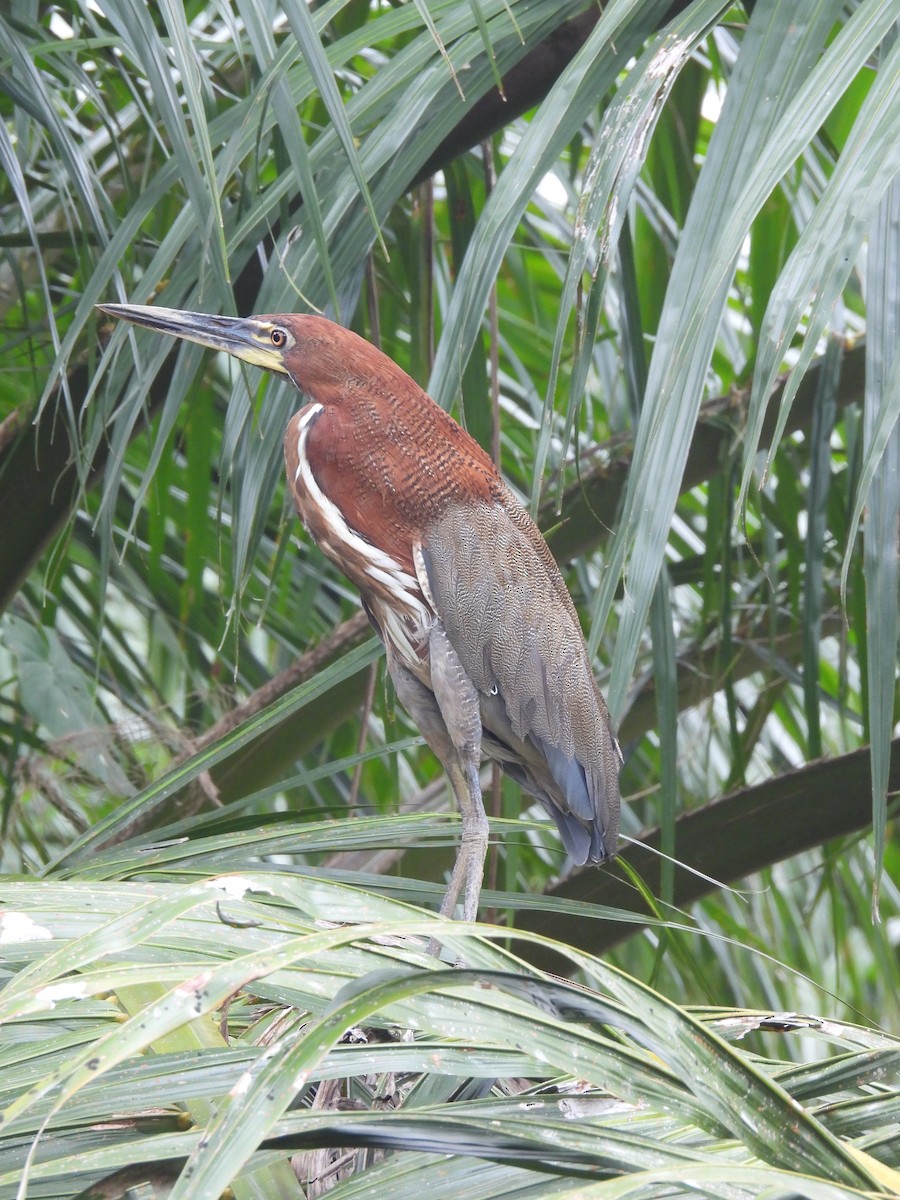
(590, 505)
(728, 840)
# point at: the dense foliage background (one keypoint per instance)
(650, 257)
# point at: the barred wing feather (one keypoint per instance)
(496, 589)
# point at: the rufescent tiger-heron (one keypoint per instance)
(482, 640)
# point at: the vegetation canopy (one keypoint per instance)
(649, 256)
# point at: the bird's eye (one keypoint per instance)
(278, 338)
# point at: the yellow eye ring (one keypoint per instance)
(278, 338)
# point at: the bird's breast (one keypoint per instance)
(382, 569)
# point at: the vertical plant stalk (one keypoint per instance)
(487, 153)
(369, 699)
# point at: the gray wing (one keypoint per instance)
(502, 601)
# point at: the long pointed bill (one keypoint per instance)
(246, 338)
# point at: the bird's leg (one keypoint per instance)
(458, 702)
(448, 714)
(468, 869)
